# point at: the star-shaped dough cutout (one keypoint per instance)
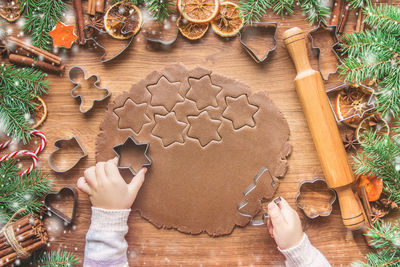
(204, 128)
(168, 129)
(240, 111)
(165, 93)
(132, 115)
(203, 92)
(63, 35)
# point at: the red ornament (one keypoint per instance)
(63, 35)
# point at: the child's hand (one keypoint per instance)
(284, 225)
(106, 187)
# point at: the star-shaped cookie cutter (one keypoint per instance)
(101, 31)
(245, 202)
(131, 141)
(76, 85)
(242, 34)
(317, 50)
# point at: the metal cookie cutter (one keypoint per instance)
(130, 141)
(332, 29)
(90, 38)
(71, 75)
(245, 31)
(249, 189)
(160, 32)
(58, 144)
(315, 198)
(370, 103)
(68, 190)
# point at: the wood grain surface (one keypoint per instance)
(149, 246)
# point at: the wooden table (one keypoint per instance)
(150, 246)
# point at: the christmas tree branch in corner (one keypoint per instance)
(18, 192)
(386, 240)
(375, 55)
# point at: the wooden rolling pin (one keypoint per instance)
(324, 130)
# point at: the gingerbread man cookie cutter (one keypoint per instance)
(71, 74)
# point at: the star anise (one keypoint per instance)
(350, 142)
(97, 21)
(349, 94)
(381, 208)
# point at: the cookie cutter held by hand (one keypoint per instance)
(129, 142)
(245, 202)
(77, 84)
(245, 30)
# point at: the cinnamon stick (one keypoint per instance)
(343, 20)
(100, 6)
(79, 20)
(336, 11)
(30, 62)
(35, 50)
(91, 7)
(29, 248)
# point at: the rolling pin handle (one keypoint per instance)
(295, 42)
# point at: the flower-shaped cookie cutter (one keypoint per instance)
(332, 29)
(245, 30)
(315, 198)
(71, 75)
(129, 142)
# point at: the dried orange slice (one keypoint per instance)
(228, 21)
(123, 20)
(190, 30)
(40, 112)
(198, 11)
(352, 102)
(372, 122)
(373, 186)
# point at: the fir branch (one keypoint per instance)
(379, 157)
(41, 21)
(160, 9)
(18, 90)
(253, 10)
(384, 17)
(281, 7)
(56, 258)
(356, 4)
(315, 10)
(21, 191)
(28, 5)
(386, 239)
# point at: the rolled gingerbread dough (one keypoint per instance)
(209, 136)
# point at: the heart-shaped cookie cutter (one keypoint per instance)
(63, 191)
(76, 85)
(149, 36)
(242, 35)
(57, 144)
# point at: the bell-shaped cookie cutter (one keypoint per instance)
(242, 35)
(245, 202)
(330, 191)
(76, 85)
(332, 29)
(57, 145)
(129, 141)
